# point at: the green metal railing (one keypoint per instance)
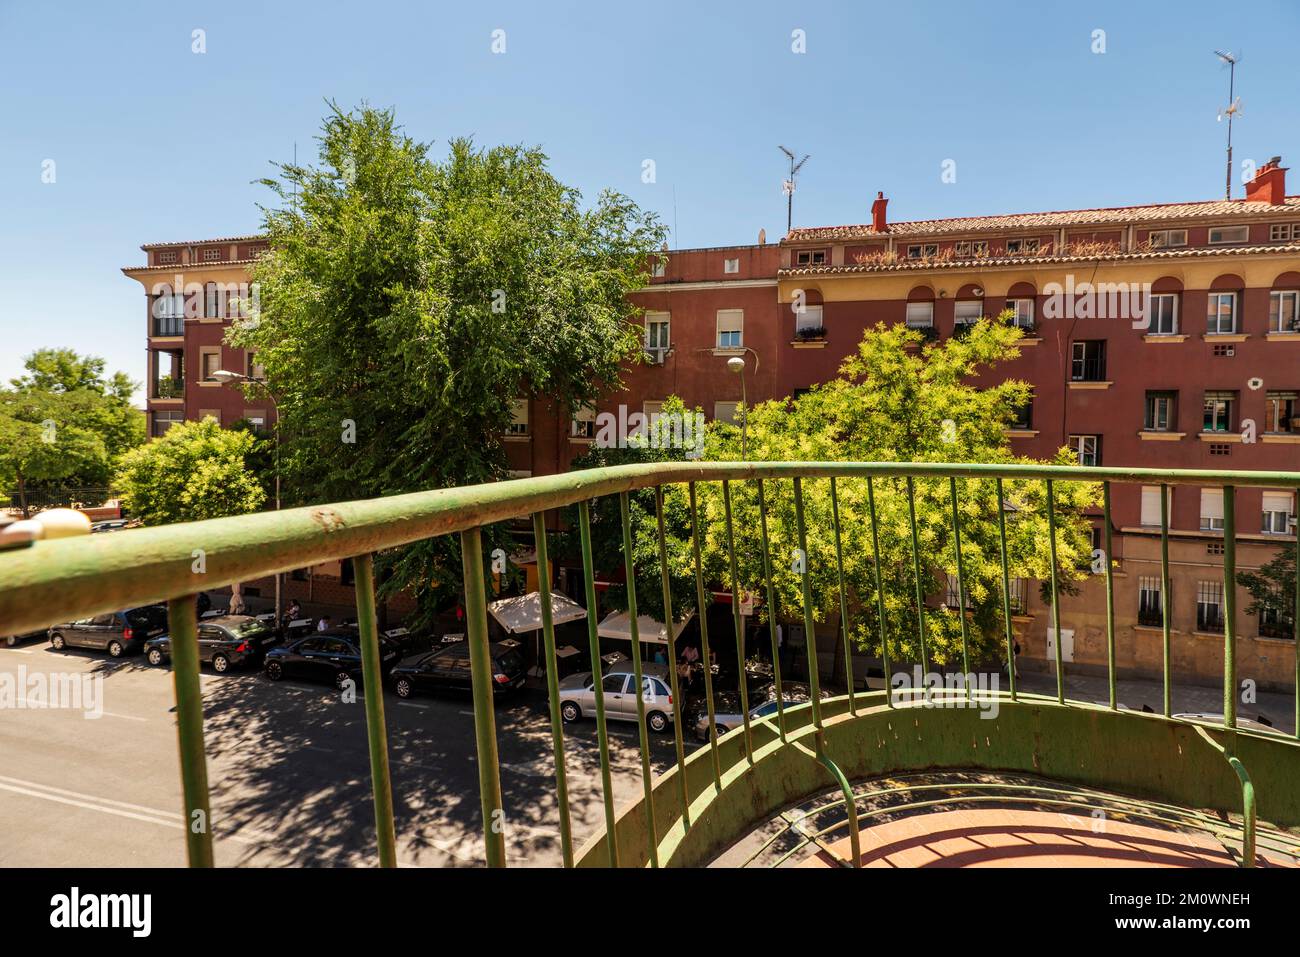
(58, 580)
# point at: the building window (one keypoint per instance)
(1162, 311)
(518, 418)
(1161, 411)
(922, 250)
(1209, 606)
(1277, 513)
(1150, 607)
(1086, 448)
(1228, 234)
(1017, 247)
(727, 412)
(167, 256)
(808, 323)
(657, 268)
(967, 311)
(920, 315)
(1164, 238)
(1284, 310)
(1088, 360)
(952, 596)
(212, 254)
(1022, 417)
(1019, 596)
(1273, 624)
(652, 409)
(213, 414)
(209, 362)
(976, 247)
(657, 341)
(162, 421)
(731, 328)
(1219, 407)
(254, 370)
(1151, 506)
(1279, 232)
(1221, 318)
(1281, 412)
(1211, 509)
(730, 265)
(583, 424)
(810, 257)
(256, 418)
(1022, 312)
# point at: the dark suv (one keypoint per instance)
(119, 632)
(448, 668)
(224, 641)
(333, 655)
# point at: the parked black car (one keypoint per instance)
(223, 642)
(119, 632)
(448, 668)
(333, 655)
(12, 640)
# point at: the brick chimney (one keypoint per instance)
(1269, 184)
(878, 214)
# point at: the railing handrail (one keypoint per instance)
(54, 581)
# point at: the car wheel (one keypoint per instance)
(658, 722)
(115, 649)
(273, 670)
(403, 688)
(155, 656)
(220, 663)
(341, 680)
(58, 642)
(721, 730)
(570, 711)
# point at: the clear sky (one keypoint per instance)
(154, 142)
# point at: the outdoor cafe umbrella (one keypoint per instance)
(523, 613)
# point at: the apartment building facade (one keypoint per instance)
(1164, 336)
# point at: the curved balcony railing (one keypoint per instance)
(694, 809)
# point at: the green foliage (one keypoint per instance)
(407, 301)
(196, 470)
(1273, 585)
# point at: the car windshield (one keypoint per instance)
(249, 629)
(510, 662)
(150, 616)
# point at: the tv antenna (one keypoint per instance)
(1231, 110)
(788, 186)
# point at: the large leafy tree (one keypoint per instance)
(407, 301)
(195, 470)
(1272, 587)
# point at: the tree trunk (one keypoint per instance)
(22, 496)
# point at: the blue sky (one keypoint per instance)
(154, 142)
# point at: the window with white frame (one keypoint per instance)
(920, 315)
(810, 257)
(1165, 238)
(209, 363)
(1160, 411)
(1221, 315)
(1228, 234)
(922, 250)
(1218, 411)
(730, 265)
(583, 423)
(1087, 449)
(657, 334)
(1284, 310)
(1150, 606)
(1277, 513)
(1018, 247)
(518, 417)
(1162, 311)
(1282, 232)
(1211, 509)
(1022, 312)
(731, 328)
(1209, 606)
(973, 247)
(808, 321)
(1280, 411)
(967, 311)
(727, 412)
(1151, 506)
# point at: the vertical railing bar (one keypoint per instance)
(810, 634)
(1056, 597)
(647, 784)
(480, 660)
(1295, 616)
(551, 664)
(376, 728)
(1110, 599)
(669, 619)
(598, 679)
(182, 623)
(961, 584)
(920, 591)
(1229, 607)
(771, 611)
(844, 600)
(738, 622)
(880, 593)
(701, 613)
(1006, 589)
(1165, 613)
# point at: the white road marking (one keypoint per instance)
(412, 704)
(19, 651)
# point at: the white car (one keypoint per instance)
(578, 695)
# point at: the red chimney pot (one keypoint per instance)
(878, 222)
(1269, 185)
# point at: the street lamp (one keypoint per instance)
(226, 377)
(737, 364)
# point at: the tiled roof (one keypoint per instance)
(1115, 216)
(183, 267)
(899, 265)
(204, 242)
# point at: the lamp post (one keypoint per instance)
(737, 364)
(226, 377)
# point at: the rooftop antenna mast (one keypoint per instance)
(788, 186)
(1231, 110)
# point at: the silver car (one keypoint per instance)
(730, 718)
(578, 695)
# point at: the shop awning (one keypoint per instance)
(523, 613)
(618, 625)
